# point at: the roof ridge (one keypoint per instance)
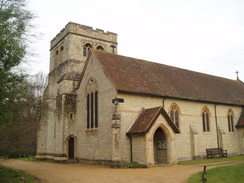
(155, 115)
(158, 63)
(138, 76)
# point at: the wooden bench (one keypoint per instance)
(211, 152)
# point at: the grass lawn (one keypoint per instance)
(214, 160)
(15, 176)
(227, 174)
(30, 158)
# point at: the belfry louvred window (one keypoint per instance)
(86, 49)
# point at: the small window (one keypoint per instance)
(205, 120)
(99, 48)
(230, 121)
(86, 49)
(174, 114)
(71, 116)
(56, 52)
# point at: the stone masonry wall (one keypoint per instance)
(66, 57)
(190, 117)
(95, 144)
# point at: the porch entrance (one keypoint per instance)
(160, 147)
(71, 147)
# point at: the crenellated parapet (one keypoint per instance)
(86, 31)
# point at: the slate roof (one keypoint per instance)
(146, 119)
(240, 122)
(143, 77)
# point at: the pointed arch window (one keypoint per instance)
(100, 48)
(174, 114)
(205, 119)
(86, 49)
(230, 121)
(92, 104)
(88, 110)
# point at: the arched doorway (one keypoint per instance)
(160, 148)
(71, 151)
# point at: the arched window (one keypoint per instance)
(174, 114)
(100, 48)
(86, 49)
(205, 119)
(230, 120)
(92, 104)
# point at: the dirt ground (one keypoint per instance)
(80, 173)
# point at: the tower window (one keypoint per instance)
(86, 49)
(71, 116)
(99, 48)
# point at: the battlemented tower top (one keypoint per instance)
(86, 31)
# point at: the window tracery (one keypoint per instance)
(230, 120)
(174, 114)
(100, 48)
(92, 104)
(205, 119)
(86, 49)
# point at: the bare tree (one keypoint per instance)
(20, 136)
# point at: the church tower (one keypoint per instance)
(73, 42)
(69, 50)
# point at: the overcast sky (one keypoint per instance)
(200, 35)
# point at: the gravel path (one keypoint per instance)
(80, 173)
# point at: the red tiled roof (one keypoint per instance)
(240, 122)
(146, 119)
(143, 77)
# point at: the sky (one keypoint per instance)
(206, 36)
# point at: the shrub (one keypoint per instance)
(13, 155)
(134, 165)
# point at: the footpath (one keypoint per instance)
(80, 173)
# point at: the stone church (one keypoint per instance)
(101, 107)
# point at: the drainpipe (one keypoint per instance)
(216, 122)
(131, 152)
